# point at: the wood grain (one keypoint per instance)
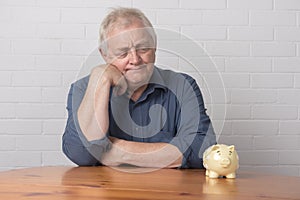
(45, 183)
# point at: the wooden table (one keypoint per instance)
(106, 183)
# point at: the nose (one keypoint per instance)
(134, 57)
(225, 162)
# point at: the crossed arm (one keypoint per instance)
(93, 120)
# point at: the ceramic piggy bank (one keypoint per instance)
(220, 160)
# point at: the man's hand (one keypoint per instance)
(109, 74)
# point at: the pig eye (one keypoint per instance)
(230, 152)
(218, 152)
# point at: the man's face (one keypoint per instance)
(132, 51)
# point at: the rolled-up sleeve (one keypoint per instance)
(195, 132)
(74, 144)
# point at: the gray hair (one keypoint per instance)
(122, 16)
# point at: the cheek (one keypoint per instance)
(120, 64)
(149, 57)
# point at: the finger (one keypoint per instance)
(121, 86)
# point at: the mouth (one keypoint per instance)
(135, 69)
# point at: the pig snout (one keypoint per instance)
(225, 162)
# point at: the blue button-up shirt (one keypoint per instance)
(170, 110)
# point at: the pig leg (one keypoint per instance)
(213, 174)
(232, 175)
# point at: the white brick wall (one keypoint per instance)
(255, 45)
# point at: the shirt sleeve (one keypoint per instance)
(195, 132)
(74, 144)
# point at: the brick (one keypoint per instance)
(16, 62)
(240, 142)
(227, 49)
(17, 30)
(178, 17)
(287, 5)
(36, 78)
(255, 127)
(5, 78)
(92, 31)
(20, 94)
(297, 81)
(230, 112)
(79, 47)
(268, 18)
(216, 112)
(17, 2)
(21, 127)
(276, 142)
(41, 111)
(201, 65)
(7, 143)
(289, 127)
(54, 127)
(38, 143)
(36, 14)
(248, 64)
(54, 158)
(236, 80)
(59, 62)
(5, 46)
(251, 96)
(70, 77)
(107, 3)
(272, 80)
(289, 157)
(36, 46)
(5, 13)
(169, 4)
(61, 31)
(181, 48)
(167, 63)
(250, 33)
(258, 158)
(82, 15)
(228, 17)
(205, 32)
(8, 111)
(287, 65)
(279, 112)
(238, 112)
(203, 4)
(60, 3)
(273, 49)
(215, 95)
(290, 97)
(222, 127)
(169, 32)
(287, 34)
(54, 95)
(20, 159)
(250, 4)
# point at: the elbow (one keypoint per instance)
(79, 155)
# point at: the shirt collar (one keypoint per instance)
(156, 82)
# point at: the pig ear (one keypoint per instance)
(215, 147)
(231, 147)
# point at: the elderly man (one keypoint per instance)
(128, 111)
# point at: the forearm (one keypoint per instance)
(93, 110)
(158, 155)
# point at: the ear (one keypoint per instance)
(215, 147)
(104, 55)
(232, 148)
